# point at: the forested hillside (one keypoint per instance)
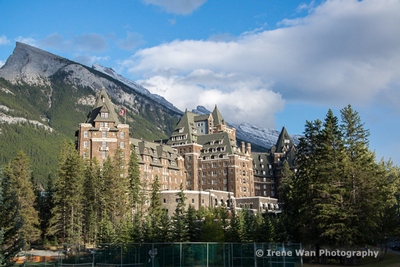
(36, 119)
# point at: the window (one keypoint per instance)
(104, 144)
(104, 115)
(85, 134)
(122, 134)
(103, 154)
(85, 144)
(104, 134)
(101, 124)
(122, 145)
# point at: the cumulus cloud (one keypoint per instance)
(4, 40)
(342, 51)
(181, 7)
(131, 41)
(89, 60)
(240, 97)
(27, 40)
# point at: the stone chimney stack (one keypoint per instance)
(248, 148)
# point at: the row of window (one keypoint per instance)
(103, 133)
(103, 145)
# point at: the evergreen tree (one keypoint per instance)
(93, 203)
(135, 186)
(180, 229)
(67, 220)
(212, 230)
(155, 213)
(11, 222)
(22, 185)
(116, 201)
(300, 208)
(194, 227)
(165, 227)
(364, 178)
(45, 206)
(330, 201)
(265, 231)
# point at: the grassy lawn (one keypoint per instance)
(390, 260)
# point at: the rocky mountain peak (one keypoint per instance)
(31, 65)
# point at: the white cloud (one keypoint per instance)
(2, 63)
(182, 7)
(89, 60)
(248, 98)
(27, 40)
(343, 51)
(4, 40)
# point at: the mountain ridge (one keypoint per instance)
(40, 89)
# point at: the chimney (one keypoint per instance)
(248, 148)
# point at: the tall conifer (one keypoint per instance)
(67, 220)
(10, 222)
(20, 172)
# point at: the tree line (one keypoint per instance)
(338, 196)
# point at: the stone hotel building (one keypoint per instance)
(202, 153)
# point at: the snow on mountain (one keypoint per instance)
(263, 137)
(136, 87)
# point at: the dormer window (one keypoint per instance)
(104, 114)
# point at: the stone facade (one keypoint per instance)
(201, 154)
(160, 160)
(102, 133)
(197, 199)
(212, 158)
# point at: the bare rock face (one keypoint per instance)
(31, 65)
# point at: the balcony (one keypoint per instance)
(103, 148)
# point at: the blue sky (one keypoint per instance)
(272, 63)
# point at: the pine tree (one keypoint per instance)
(11, 222)
(332, 210)
(93, 203)
(67, 220)
(179, 220)
(194, 227)
(20, 173)
(165, 227)
(364, 178)
(155, 213)
(135, 186)
(45, 206)
(300, 208)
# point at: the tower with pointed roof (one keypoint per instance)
(268, 165)
(102, 133)
(213, 160)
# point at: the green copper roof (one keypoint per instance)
(280, 144)
(186, 129)
(217, 116)
(103, 105)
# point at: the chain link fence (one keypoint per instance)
(177, 254)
